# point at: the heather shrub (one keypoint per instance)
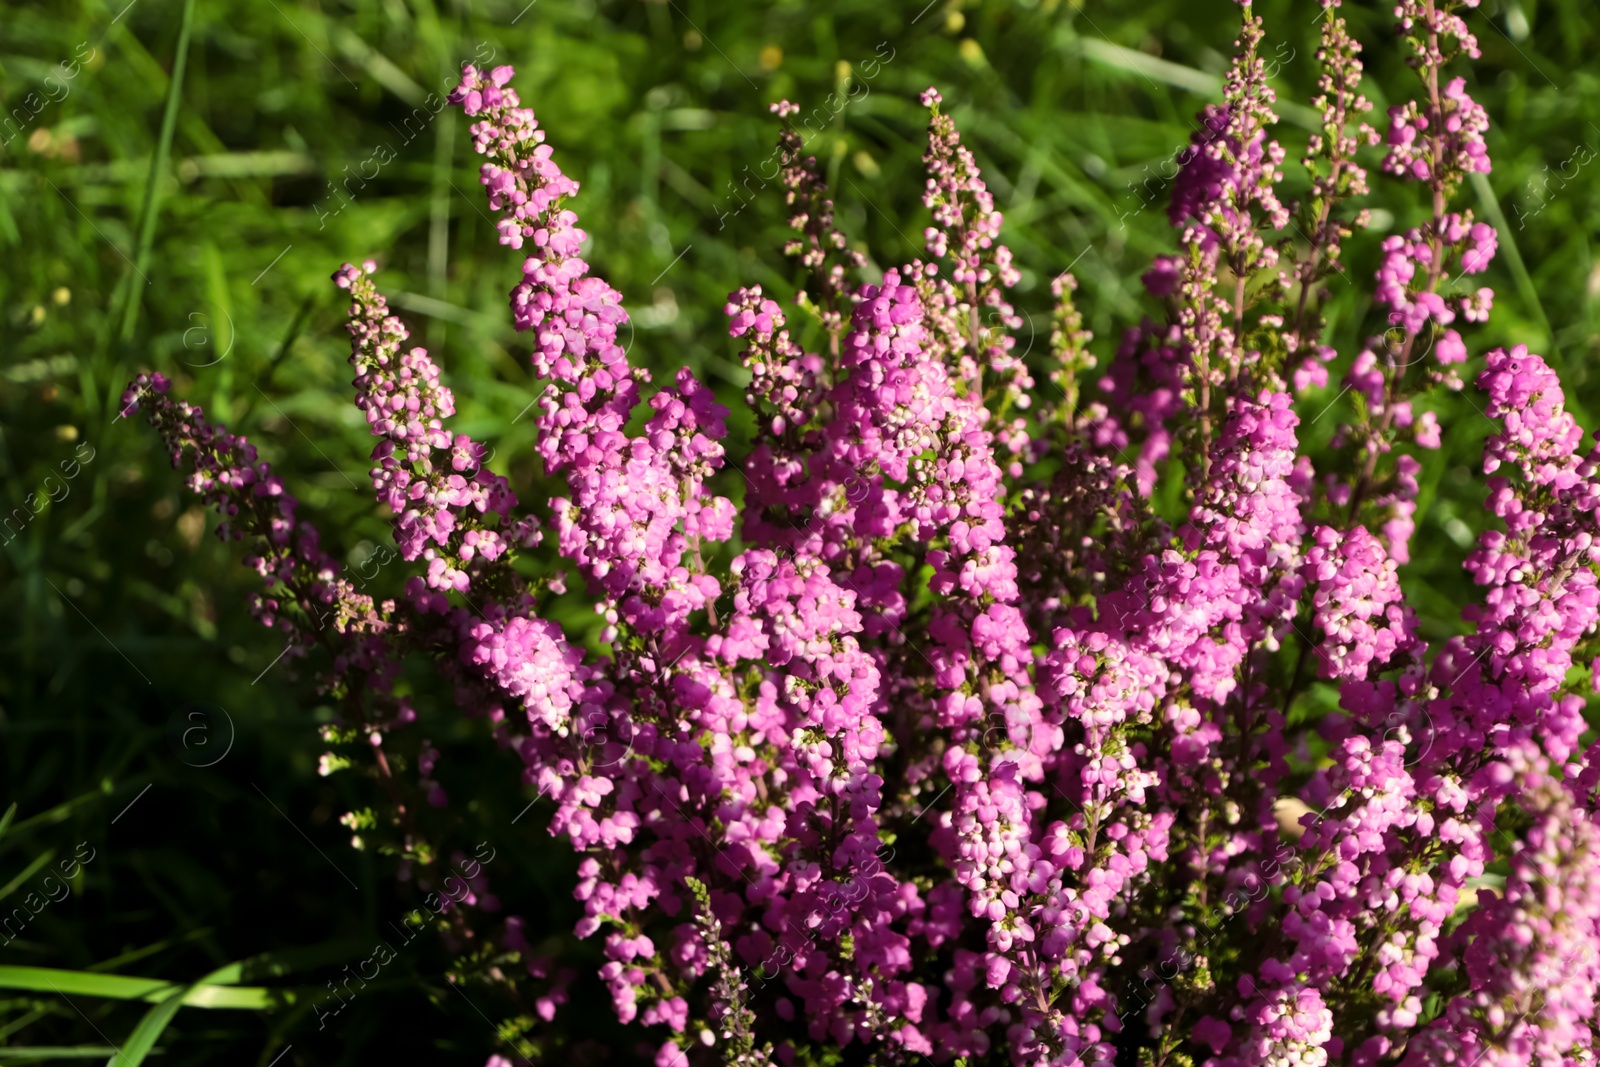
(967, 722)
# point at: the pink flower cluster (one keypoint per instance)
(955, 733)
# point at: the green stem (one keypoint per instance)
(158, 168)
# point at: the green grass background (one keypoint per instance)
(191, 226)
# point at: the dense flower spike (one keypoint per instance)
(1531, 953)
(1357, 604)
(820, 247)
(446, 504)
(309, 601)
(1337, 176)
(637, 504)
(254, 503)
(972, 320)
(1088, 723)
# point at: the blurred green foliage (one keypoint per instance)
(191, 226)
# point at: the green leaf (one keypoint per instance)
(1513, 256)
(53, 815)
(158, 173)
(153, 990)
(143, 1038)
(277, 964)
(115, 963)
(11, 886)
(40, 1054)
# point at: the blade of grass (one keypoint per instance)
(439, 215)
(151, 990)
(11, 886)
(1179, 76)
(156, 1020)
(380, 66)
(443, 156)
(135, 955)
(251, 164)
(1175, 74)
(158, 167)
(58, 813)
(41, 1054)
(143, 1039)
(278, 964)
(22, 1022)
(493, 325)
(1508, 247)
(289, 338)
(223, 334)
